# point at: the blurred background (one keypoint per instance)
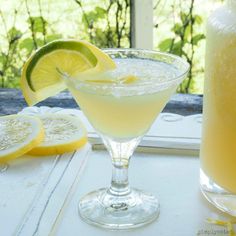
(178, 26)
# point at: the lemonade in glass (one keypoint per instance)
(121, 105)
(121, 91)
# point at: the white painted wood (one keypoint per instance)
(51, 198)
(142, 24)
(33, 191)
(40, 196)
(174, 179)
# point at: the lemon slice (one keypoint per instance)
(129, 79)
(40, 78)
(106, 79)
(18, 135)
(63, 133)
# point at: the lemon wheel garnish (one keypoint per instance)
(18, 135)
(63, 133)
(40, 78)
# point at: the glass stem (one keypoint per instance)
(120, 153)
(119, 182)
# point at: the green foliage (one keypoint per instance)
(196, 38)
(38, 24)
(166, 44)
(53, 37)
(185, 41)
(93, 16)
(27, 44)
(101, 27)
(8, 59)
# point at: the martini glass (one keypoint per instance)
(121, 105)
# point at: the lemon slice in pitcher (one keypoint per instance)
(18, 135)
(40, 78)
(63, 133)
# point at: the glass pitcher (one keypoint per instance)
(218, 148)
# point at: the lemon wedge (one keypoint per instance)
(40, 78)
(18, 135)
(63, 133)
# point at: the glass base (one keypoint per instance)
(104, 209)
(218, 196)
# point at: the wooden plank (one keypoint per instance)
(141, 24)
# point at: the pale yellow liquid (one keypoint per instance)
(128, 114)
(218, 149)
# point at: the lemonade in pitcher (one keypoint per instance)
(218, 149)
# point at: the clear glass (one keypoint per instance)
(132, 108)
(218, 149)
(232, 4)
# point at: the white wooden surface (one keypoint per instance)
(33, 192)
(142, 24)
(174, 179)
(40, 196)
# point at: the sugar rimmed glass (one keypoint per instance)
(121, 114)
